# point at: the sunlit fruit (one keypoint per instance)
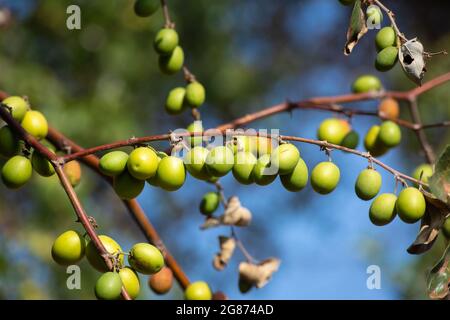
(166, 41)
(195, 94)
(108, 286)
(154, 180)
(297, 179)
(35, 124)
(18, 106)
(171, 173)
(68, 248)
(130, 281)
(72, 169)
(145, 258)
(263, 145)
(410, 205)
(368, 184)
(113, 163)
(389, 108)
(386, 59)
(263, 172)
(382, 210)
(96, 260)
(351, 140)
(9, 143)
(126, 186)
(197, 139)
(390, 134)
(325, 177)
(210, 202)
(195, 161)
(145, 8)
(333, 130)
(198, 291)
(372, 142)
(41, 165)
(425, 171)
(161, 282)
(142, 163)
(173, 62)
(446, 228)
(374, 15)
(366, 83)
(285, 157)
(220, 161)
(175, 102)
(244, 162)
(16, 172)
(386, 37)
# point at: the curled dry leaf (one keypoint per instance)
(227, 246)
(256, 275)
(411, 57)
(234, 215)
(439, 278)
(430, 226)
(356, 29)
(440, 180)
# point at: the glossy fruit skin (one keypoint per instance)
(68, 248)
(145, 258)
(173, 62)
(198, 291)
(16, 172)
(351, 140)
(446, 228)
(366, 83)
(142, 163)
(18, 105)
(161, 282)
(244, 162)
(347, 2)
(195, 94)
(35, 124)
(382, 210)
(108, 286)
(389, 108)
(113, 163)
(72, 169)
(262, 174)
(195, 127)
(171, 173)
(145, 8)
(263, 145)
(154, 180)
(285, 157)
(325, 177)
(373, 144)
(297, 179)
(166, 41)
(9, 143)
(410, 205)
(130, 281)
(368, 184)
(210, 202)
(195, 162)
(332, 130)
(127, 187)
(175, 102)
(386, 37)
(386, 59)
(220, 161)
(95, 260)
(41, 165)
(375, 15)
(390, 134)
(426, 170)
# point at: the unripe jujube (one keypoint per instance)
(113, 163)
(325, 177)
(171, 173)
(366, 83)
(172, 62)
(145, 258)
(382, 210)
(386, 37)
(372, 142)
(195, 94)
(126, 186)
(368, 184)
(175, 102)
(425, 171)
(68, 248)
(166, 41)
(142, 163)
(130, 281)
(195, 161)
(297, 179)
(263, 172)
(285, 157)
(198, 291)
(244, 162)
(386, 59)
(410, 205)
(220, 161)
(145, 8)
(16, 172)
(351, 140)
(96, 260)
(210, 202)
(390, 134)
(108, 286)
(18, 106)
(35, 124)
(333, 130)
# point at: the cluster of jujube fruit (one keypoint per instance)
(22, 159)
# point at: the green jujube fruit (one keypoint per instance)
(142, 163)
(410, 205)
(171, 173)
(127, 187)
(244, 163)
(210, 202)
(108, 286)
(351, 140)
(366, 83)
(113, 163)
(386, 59)
(173, 62)
(175, 102)
(16, 172)
(130, 281)
(166, 41)
(68, 248)
(425, 170)
(325, 177)
(372, 142)
(95, 260)
(145, 258)
(18, 106)
(386, 37)
(198, 290)
(297, 179)
(195, 94)
(263, 172)
(390, 134)
(382, 210)
(195, 161)
(368, 184)
(145, 8)
(285, 157)
(219, 161)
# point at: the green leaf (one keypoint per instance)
(356, 29)
(438, 278)
(440, 180)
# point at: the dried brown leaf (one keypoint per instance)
(227, 246)
(356, 29)
(257, 275)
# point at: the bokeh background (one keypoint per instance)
(102, 83)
